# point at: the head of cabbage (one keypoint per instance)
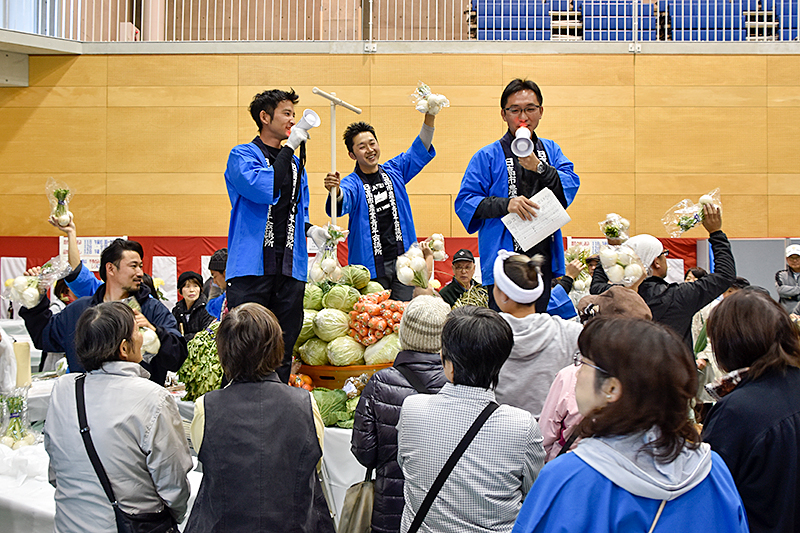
(345, 351)
(356, 276)
(331, 323)
(312, 299)
(314, 352)
(342, 297)
(383, 351)
(307, 331)
(372, 286)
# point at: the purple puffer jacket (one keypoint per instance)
(375, 433)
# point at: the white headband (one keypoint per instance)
(511, 289)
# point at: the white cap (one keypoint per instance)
(646, 247)
(793, 249)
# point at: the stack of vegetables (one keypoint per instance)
(202, 371)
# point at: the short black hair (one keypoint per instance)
(268, 101)
(697, 272)
(740, 283)
(249, 342)
(100, 332)
(354, 129)
(518, 85)
(113, 253)
(477, 341)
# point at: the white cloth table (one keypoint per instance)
(340, 469)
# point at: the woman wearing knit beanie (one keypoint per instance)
(418, 368)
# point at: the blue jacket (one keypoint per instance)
(249, 179)
(56, 333)
(487, 175)
(570, 495)
(82, 282)
(400, 169)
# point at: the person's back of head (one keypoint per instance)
(656, 376)
(421, 325)
(519, 279)
(100, 332)
(749, 329)
(112, 254)
(249, 343)
(476, 341)
(219, 260)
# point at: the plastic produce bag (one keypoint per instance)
(326, 263)
(59, 195)
(685, 215)
(427, 102)
(19, 432)
(150, 341)
(28, 290)
(412, 269)
(615, 227)
(621, 264)
(8, 366)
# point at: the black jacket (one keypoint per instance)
(674, 304)
(756, 431)
(195, 319)
(375, 433)
(56, 333)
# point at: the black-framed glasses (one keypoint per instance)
(516, 110)
(665, 253)
(578, 360)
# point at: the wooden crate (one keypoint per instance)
(333, 377)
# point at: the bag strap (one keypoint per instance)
(412, 378)
(658, 515)
(450, 464)
(569, 442)
(368, 477)
(87, 440)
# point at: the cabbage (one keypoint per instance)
(330, 403)
(312, 299)
(314, 352)
(383, 351)
(372, 286)
(307, 331)
(356, 275)
(345, 351)
(341, 297)
(331, 323)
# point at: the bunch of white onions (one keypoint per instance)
(621, 264)
(24, 290)
(436, 244)
(412, 269)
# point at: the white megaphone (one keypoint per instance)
(522, 145)
(310, 120)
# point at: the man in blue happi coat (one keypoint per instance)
(497, 183)
(268, 188)
(374, 195)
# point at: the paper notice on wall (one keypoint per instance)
(550, 217)
(90, 249)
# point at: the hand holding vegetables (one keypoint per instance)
(685, 215)
(621, 265)
(29, 289)
(427, 102)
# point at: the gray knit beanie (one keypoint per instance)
(421, 325)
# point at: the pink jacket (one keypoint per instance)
(560, 412)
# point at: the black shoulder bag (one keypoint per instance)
(161, 522)
(413, 379)
(449, 465)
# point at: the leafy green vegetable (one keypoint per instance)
(307, 331)
(330, 403)
(314, 352)
(383, 351)
(342, 297)
(202, 371)
(356, 276)
(372, 286)
(346, 417)
(312, 299)
(345, 351)
(331, 323)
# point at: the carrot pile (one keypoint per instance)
(375, 316)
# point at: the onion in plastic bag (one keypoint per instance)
(383, 351)
(345, 351)
(331, 323)
(312, 299)
(314, 352)
(342, 297)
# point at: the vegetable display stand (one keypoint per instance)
(333, 377)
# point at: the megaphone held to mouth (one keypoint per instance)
(310, 120)
(522, 145)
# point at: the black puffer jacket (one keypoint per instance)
(193, 320)
(375, 433)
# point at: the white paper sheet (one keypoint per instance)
(551, 216)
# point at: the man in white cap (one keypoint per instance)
(674, 304)
(787, 282)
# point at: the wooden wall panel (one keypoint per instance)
(146, 138)
(316, 211)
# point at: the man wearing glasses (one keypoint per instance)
(497, 183)
(463, 270)
(674, 304)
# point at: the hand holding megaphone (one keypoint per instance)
(299, 133)
(522, 145)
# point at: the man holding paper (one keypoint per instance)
(498, 183)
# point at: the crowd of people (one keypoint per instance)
(656, 407)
